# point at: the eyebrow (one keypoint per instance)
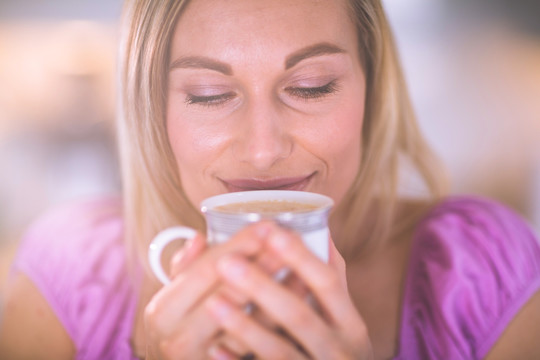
(201, 62)
(312, 51)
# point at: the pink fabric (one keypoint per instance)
(474, 264)
(75, 256)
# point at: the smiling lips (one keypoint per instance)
(296, 183)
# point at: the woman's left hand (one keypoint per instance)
(332, 329)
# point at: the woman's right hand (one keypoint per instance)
(178, 324)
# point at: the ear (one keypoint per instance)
(336, 261)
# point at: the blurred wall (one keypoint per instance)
(57, 106)
(55, 10)
(473, 69)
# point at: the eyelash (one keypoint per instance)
(304, 93)
(209, 101)
(308, 93)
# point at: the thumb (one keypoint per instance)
(336, 261)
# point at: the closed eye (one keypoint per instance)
(212, 100)
(308, 93)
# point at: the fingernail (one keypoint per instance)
(262, 229)
(231, 268)
(178, 256)
(219, 308)
(279, 240)
(216, 352)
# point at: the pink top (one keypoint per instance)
(474, 264)
(75, 256)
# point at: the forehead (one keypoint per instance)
(211, 26)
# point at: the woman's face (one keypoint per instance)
(265, 95)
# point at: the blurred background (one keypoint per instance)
(473, 69)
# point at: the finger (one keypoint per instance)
(278, 303)
(269, 262)
(185, 256)
(220, 352)
(272, 265)
(198, 331)
(265, 344)
(324, 282)
(232, 345)
(192, 336)
(171, 304)
(337, 262)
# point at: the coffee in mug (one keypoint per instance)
(266, 207)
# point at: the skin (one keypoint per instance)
(29, 328)
(265, 121)
(186, 319)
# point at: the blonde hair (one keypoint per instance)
(390, 138)
(153, 195)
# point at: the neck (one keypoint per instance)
(358, 238)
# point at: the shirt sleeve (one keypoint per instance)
(474, 264)
(75, 257)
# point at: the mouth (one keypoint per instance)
(293, 183)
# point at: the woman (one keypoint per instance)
(221, 96)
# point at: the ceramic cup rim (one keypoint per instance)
(323, 203)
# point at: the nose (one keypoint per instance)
(263, 139)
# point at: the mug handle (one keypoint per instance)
(157, 245)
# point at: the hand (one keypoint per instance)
(224, 346)
(178, 324)
(339, 333)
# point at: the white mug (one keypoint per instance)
(311, 222)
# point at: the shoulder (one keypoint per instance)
(474, 264)
(69, 239)
(21, 336)
(81, 217)
(483, 228)
(76, 258)
(520, 338)
(473, 211)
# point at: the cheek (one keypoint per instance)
(344, 135)
(196, 149)
(342, 149)
(193, 143)
(344, 152)
(181, 141)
